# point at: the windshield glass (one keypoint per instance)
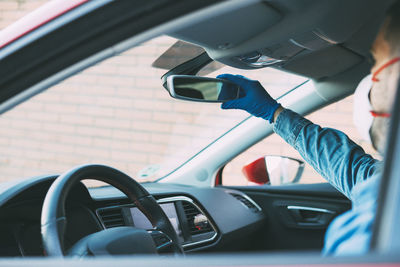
(117, 113)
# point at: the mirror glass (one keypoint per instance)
(283, 170)
(201, 89)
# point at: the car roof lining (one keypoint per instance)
(18, 85)
(332, 40)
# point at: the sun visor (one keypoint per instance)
(231, 28)
(327, 62)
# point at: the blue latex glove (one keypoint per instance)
(253, 98)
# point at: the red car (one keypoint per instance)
(82, 89)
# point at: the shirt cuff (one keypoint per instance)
(289, 124)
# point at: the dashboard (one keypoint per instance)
(190, 222)
(205, 219)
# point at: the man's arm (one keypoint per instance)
(330, 152)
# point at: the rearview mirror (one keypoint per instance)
(201, 89)
(274, 170)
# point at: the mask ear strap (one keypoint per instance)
(381, 68)
(380, 114)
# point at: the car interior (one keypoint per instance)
(189, 210)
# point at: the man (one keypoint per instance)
(338, 159)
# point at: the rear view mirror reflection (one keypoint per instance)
(201, 89)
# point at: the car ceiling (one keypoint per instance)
(319, 39)
(334, 38)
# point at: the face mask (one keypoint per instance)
(363, 115)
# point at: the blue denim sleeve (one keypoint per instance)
(330, 152)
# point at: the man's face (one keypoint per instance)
(382, 92)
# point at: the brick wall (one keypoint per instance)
(118, 114)
(12, 10)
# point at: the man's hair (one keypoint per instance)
(392, 31)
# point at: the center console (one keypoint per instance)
(192, 225)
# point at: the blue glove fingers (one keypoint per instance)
(235, 79)
(256, 100)
(237, 103)
(233, 104)
(229, 77)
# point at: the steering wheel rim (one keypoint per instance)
(53, 219)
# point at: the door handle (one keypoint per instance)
(310, 216)
(299, 208)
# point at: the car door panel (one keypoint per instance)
(297, 216)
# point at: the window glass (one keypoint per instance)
(117, 113)
(338, 115)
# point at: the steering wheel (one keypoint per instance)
(115, 241)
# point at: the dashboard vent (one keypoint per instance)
(111, 217)
(246, 202)
(197, 221)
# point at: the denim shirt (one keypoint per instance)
(348, 168)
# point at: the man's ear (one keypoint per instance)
(380, 47)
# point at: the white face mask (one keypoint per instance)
(362, 116)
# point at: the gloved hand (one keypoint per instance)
(253, 98)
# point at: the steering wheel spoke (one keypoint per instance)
(162, 241)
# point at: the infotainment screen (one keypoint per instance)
(140, 221)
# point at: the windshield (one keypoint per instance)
(117, 113)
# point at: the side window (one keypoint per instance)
(338, 115)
